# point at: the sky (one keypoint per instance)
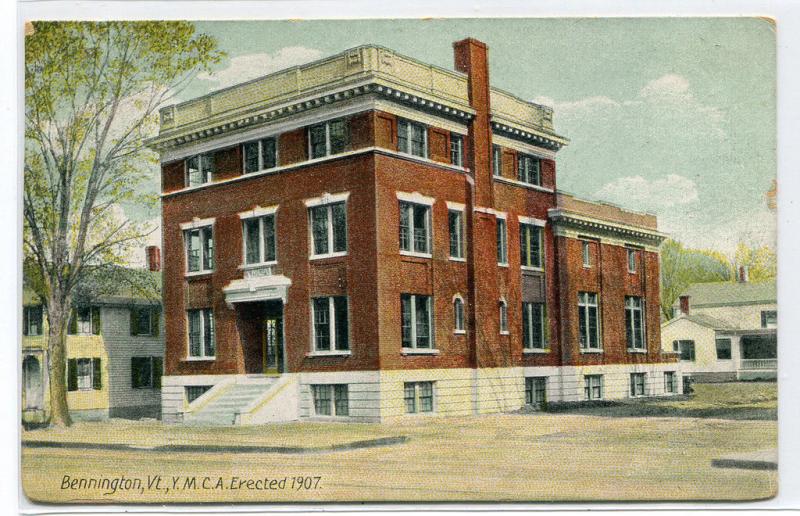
(673, 116)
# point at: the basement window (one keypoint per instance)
(331, 400)
(418, 397)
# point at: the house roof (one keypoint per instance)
(129, 286)
(726, 293)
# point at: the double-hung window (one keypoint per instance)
(533, 326)
(458, 315)
(632, 253)
(769, 319)
(331, 327)
(502, 241)
(85, 372)
(530, 238)
(588, 327)
(536, 390)
(146, 372)
(723, 349)
(32, 320)
(455, 219)
(593, 387)
(497, 161)
(199, 169)
(260, 155)
(328, 229)
(259, 240)
(685, 348)
(503, 308)
(529, 169)
(638, 384)
(417, 321)
(412, 138)
(634, 322)
(418, 397)
(457, 149)
(415, 228)
(199, 249)
(144, 321)
(328, 138)
(331, 400)
(202, 342)
(586, 252)
(670, 384)
(85, 320)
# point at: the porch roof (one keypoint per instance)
(259, 288)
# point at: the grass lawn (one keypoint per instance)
(508, 457)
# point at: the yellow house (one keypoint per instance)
(114, 358)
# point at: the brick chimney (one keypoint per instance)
(153, 258)
(744, 274)
(685, 305)
(471, 57)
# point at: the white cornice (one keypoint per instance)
(520, 146)
(594, 226)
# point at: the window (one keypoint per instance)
(769, 319)
(199, 169)
(503, 316)
(199, 249)
(631, 260)
(533, 326)
(328, 138)
(502, 242)
(723, 349)
(201, 334)
(144, 320)
(685, 348)
(670, 385)
(195, 391)
(260, 155)
(412, 138)
(634, 322)
(415, 224)
(637, 384)
(456, 223)
(528, 169)
(85, 320)
(418, 397)
(587, 256)
(331, 328)
(32, 320)
(146, 372)
(84, 374)
(457, 149)
(593, 387)
(328, 229)
(417, 321)
(587, 320)
(259, 240)
(536, 390)
(331, 400)
(497, 161)
(530, 239)
(458, 315)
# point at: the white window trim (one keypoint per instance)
(454, 206)
(629, 251)
(460, 138)
(332, 318)
(586, 254)
(463, 330)
(497, 164)
(414, 349)
(90, 375)
(199, 157)
(545, 345)
(533, 221)
(327, 124)
(333, 415)
(409, 123)
(502, 216)
(330, 254)
(601, 378)
(202, 357)
(599, 348)
(500, 305)
(418, 412)
(631, 384)
(260, 142)
(261, 253)
(538, 223)
(643, 313)
(416, 198)
(428, 221)
(258, 211)
(196, 224)
(461, 242)
(326, 198)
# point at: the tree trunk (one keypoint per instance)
(58, 318)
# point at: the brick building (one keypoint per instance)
(369, 236)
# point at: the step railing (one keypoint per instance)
(759, 363)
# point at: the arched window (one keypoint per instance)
(503, 316)
(458, 315)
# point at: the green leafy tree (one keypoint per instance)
(92, 91)
(761, 262)
(680, 267)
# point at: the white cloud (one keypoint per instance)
(250, 66)
(582, 106)
(666, 85)
(638, 193)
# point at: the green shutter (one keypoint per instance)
(72, 374)
(96, 326)
(134, 321)
(546, 326)
(134, 373)
(25, 319)
(155, 322)
(97, 380)
(72, 327)
(158, 371)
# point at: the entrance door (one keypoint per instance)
(272, 340)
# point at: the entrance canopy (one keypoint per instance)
(257, 288)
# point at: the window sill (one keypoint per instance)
(531, 269)
(419, 351)
(341, 353)
(636, 350)
(505, 333)
(199, 359)
(248, 266)
(542, 351)
(416, 254)
(198, 274)
(328, 255)
(591, 351)
(587, 267)
(456, 259)
(502, 265)
(459, 332)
